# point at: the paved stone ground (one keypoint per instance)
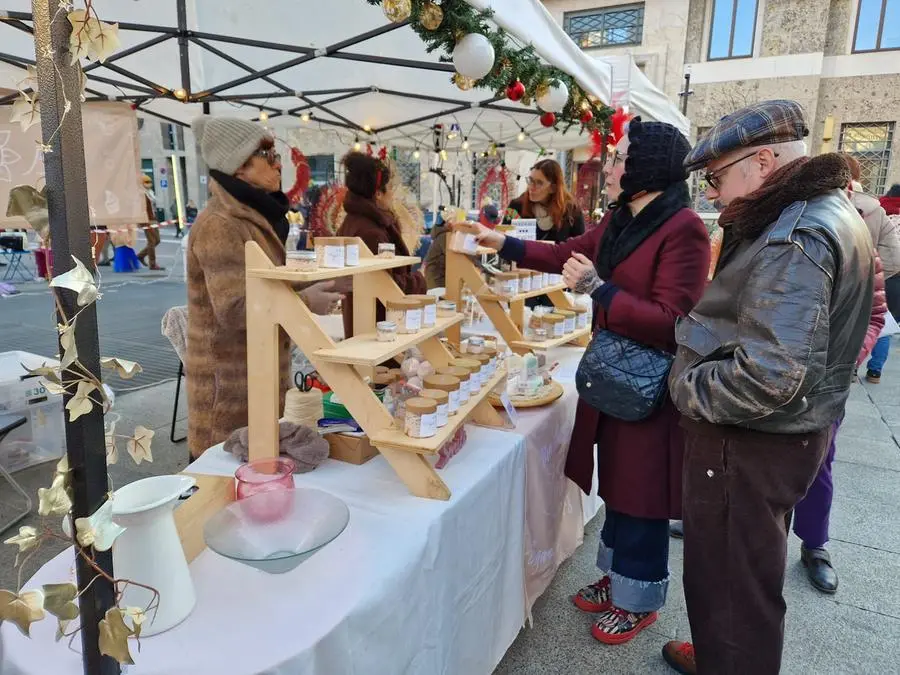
(855, 631)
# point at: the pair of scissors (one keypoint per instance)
(308, 381)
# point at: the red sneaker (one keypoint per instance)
(618, 626)
(595, 597)
(680, 657)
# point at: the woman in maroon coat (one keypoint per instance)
(644, 265)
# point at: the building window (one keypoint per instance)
(732, 29)
(321, 168)
(172, 136)
(410, 171)
(870, 144)
(877, 26)
(606, 27)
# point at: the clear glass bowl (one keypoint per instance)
(307, 520)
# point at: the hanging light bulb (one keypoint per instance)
(357, 146)
(180, 94)
(444, 155)
(521, 136)
(263, 116)
(305, 117)
(465, 144)
(368, 129)
(417, 154)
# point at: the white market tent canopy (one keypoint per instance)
(340, 61)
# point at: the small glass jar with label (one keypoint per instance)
(446, 308)
(556, 279)
(421, 417)
(386, 331)
(447, 384)
(386, 250)
(442, 398)
(525, 281)
(406, 313)
(302, 261)
(506, 284)
(485, 373)
(537, 281)
(545, 279)
(475, 345)
(330, 252)
(351, 251)
(464, 378)
(428, 304)
(555, 325)
(569, 316)
(474, 368)
(540, 335)
(491, 353)
(581, 317)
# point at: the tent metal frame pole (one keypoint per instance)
(391, 61)
(246, 42)
(183, 54)
(433, 116)
(67, 203)
(335, 99)
(128, 52)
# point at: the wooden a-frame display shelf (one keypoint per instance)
(461, 271)
(273, 304)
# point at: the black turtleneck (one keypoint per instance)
(273, 206)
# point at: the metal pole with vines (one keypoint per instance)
(67, 198)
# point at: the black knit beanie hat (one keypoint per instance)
(656, 153)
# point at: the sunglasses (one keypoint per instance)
(269, 155)
(714, 178)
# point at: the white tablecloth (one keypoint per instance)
(411, 586)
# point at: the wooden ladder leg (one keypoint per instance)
(263, 384)
(486, 415)
(417, 473)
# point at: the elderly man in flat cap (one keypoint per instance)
(763, 369)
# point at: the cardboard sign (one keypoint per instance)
(526, 228)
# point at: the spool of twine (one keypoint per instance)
(304, 407)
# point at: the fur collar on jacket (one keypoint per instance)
(800, 180)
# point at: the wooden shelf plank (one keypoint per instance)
(555, 342)
(396, 439)
(365, 265)
(365, 350)
(522, 296)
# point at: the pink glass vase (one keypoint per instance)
(273, 476)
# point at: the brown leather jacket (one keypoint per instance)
(772, 345)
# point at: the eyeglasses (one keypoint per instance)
(269, 155)
(713, 178)
(536, 183)
(616, 157)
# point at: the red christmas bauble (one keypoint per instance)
(548, 119)
(587, 117)
(515, 91)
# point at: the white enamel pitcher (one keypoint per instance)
(149, 550)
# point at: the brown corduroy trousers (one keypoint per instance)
(739, 489)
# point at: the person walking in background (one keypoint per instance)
(644, 265)
(813, 512)
(147, 256)
(886, 238)
(763, 370)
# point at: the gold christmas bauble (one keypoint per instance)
(463, 82)
(431, 16)
(397, 10)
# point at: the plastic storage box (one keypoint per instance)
(42, 438)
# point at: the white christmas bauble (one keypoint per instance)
(473, 56)
(555, 99)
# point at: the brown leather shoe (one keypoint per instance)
(680, 657)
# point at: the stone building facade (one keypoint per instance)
(839, 58)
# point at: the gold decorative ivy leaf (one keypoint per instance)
(137, 616)
(112, 450)
(104, 41)
(22, 609)
(59, 600)
(26, 540)
(98, 530)
(26, 110)
(67, 342)
(54, 500)
(125, 369)
(81, 403)
(139, 445)
(114, 634)
(80, 280)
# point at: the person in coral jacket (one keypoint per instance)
(644, 265)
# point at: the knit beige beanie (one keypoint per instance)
(226, 143)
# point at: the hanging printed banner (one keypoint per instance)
(526, 228)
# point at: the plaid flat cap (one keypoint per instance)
(763, 123)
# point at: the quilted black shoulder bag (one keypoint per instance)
(623, 378)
